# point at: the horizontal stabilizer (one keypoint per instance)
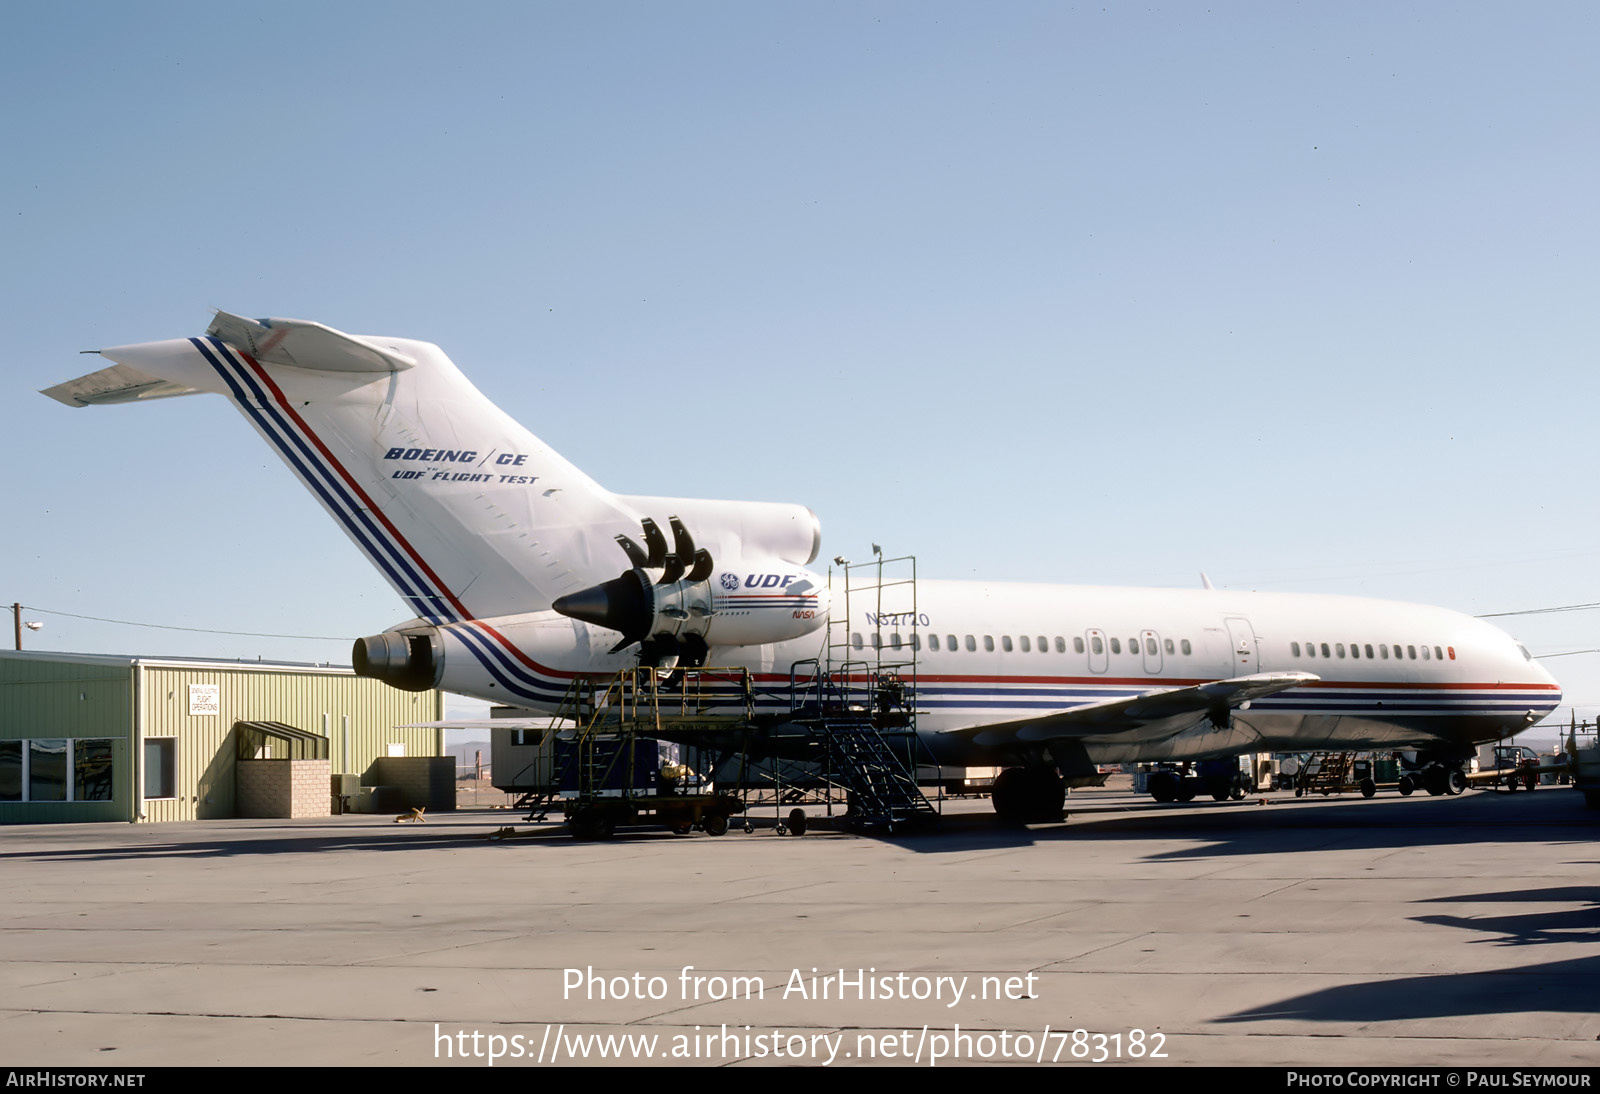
(1174, 706)
(117, 384)
(303, 344)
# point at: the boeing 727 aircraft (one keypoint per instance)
(508, 558)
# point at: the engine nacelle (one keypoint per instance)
(411, 659)
(749, 603)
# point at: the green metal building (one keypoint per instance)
(90, 737)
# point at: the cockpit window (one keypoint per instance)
(1526, 655)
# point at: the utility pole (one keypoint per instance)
(16, 617)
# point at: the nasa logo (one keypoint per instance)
(729, 581)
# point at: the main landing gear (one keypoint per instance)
(1029, 795)
(1437, 774)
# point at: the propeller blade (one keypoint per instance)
(654, 541)
(702, 566)
(674, 570)
(635, 556)
(682, 541)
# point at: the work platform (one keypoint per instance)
(688, 748)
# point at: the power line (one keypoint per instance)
(1541, 611)
(195, 630)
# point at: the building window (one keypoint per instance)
(91, 771)
(161, 767)
(10, 771)
(47, 770)
(57, 770)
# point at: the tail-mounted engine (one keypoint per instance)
(675, 601)
(410, 662)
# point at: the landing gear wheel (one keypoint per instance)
(1435, 781)
(1407, 786)
(1186, 790)
(682, 829)
(1009, 795)
(1455, 782)
(714, 824)
(1163, 786)
(1028, 796)
(797, 821)
(1239, 790)
(1368, 788)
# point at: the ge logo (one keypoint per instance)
(730, 582)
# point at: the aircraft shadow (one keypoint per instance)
(1557, 986)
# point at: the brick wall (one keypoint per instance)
(282, 788)
(428, 781)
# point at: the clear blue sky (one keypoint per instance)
(1301, 295)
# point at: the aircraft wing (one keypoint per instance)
(1180, 707)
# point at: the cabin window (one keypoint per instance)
(1184, 645)
(1005, 642)
(894, 640)
(1411, 652)
(972, 644)
(1168, 644)
(1061, 647)
(1025, 647)
(1355, 650)
(1325, 652)
(1338, 648)
(1133, 646)
(855, 640)
(1438, 654)
(1452, 650)
(1368, 648)
(1294, 648)
(1150, 646)
(950, 643)
(933, 641)
(1425, 654)
(1044, 647)
(877, 640)
(988, 643)
(1077, 645)
(1116, 645)
(1383, 651)
(1096, 645)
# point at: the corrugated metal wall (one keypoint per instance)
(307, 700)
(54, 699)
